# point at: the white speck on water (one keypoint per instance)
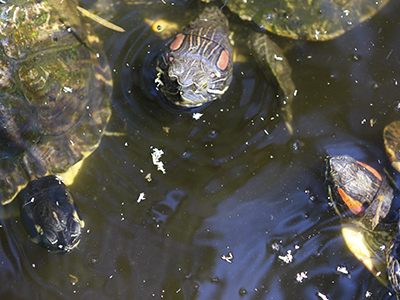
(228, 258)
(368, 294)
(317, 34)
(342, 270)
(266, 132)
(288, 258)
(278, 58)
(72, 143)
(126, 144)
(364, 121)
(322, 296)
(33, 265)
(295, 93)
(67, 89)
(197, 116)
(98, 55)
(301, 276)
(156, 155)
(141, 197)
(346, 12)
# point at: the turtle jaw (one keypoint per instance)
(62, 238)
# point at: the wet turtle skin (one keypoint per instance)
(391, 137)
(196, 66)
(50, 215)
(393, 263)
(359, 189)
(317, 20)
(54, 98)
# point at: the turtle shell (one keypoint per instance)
(313, 20)
(54, 92)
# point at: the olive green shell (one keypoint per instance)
(54, 91)
(310, 19)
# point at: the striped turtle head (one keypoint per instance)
(193, 81)
(196, 66)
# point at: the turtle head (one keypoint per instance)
(359, 189)
(193, 73)
(190, 82)
(50, 214)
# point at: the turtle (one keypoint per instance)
(55, 103)
(317, 20)
(195, 67)
(362, 197)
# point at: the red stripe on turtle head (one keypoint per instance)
(177, 43)
(372, 170)
(223, 60)
(355, 206)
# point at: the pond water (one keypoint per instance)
(241, 209)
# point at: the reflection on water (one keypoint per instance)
(242, 210)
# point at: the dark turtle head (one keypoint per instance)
(50, 215)
(358, 189)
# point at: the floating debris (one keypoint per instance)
(301, 276)
(342, 270)
(67, 89)
(74, 279)
(228, 258)
(156, 155)
(288, 258)
(322, 296)
(197, 116)
(141, 197)
(148, 177)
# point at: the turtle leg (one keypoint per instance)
(378, 209)
(276, 68)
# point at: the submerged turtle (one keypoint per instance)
(317, 20)
(195, 67)
(55, 103)
(362, 197)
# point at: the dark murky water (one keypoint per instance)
(238, 193)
